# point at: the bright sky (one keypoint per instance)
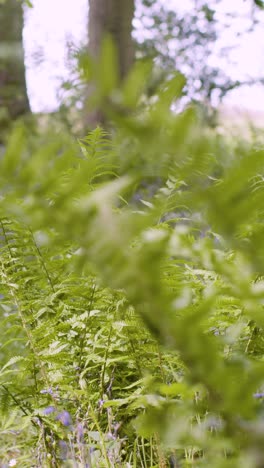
(48, 28)
(51, 23)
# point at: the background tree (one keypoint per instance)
(187, 41)
(13, 94)
(110, 18)
(174, 39)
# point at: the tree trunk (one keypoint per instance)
(113, 18)
(13, 93)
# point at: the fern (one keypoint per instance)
(131, 315)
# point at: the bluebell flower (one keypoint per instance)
(63, 450)
(45, 392)
(80, 433)
(49, 410)
(65, 418)
(259, 395)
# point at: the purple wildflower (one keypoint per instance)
(80, 432)
(65, 418)
(49, 410)
(259, 395)
(48, 391)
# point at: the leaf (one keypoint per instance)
(259, 3)
(12, 361)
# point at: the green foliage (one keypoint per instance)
(132, 293)
(185, 40)
(259, 3)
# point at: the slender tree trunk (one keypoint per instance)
(13, 93)
(114, 18)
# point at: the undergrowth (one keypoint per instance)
(132, 295)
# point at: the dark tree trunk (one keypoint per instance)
(13, 93)
(113, 18)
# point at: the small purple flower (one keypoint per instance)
(259, 395)
(63, 450)
(49, 410)
(65, 418)
(48, 391)
(80, 432)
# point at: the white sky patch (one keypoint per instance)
(51, 23)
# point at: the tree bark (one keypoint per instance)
(13, 93)
(113, 18)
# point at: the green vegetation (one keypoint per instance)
(132, 291)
